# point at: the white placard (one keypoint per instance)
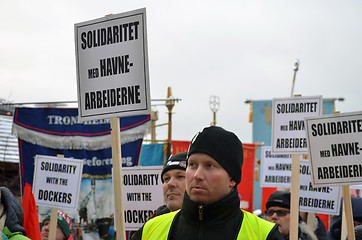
(288, 134)
(335, 144)
(112, 66)
(143, 194)
(325, 200)
(276, 169)
(276, 172)
(57, 181)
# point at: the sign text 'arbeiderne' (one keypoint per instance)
(339, 149)
(288, 134)
(336, 150)
(276, 171)
(112, 66)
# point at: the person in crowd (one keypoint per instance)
(320, 229)
(278, 211)
(11, 216)
(210, 208)
(334, 232)
(62, 230)
(173, 180)
(357, 232)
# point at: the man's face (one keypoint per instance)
(59, 235)
(280, 216)
(206, 180)
(174, 188)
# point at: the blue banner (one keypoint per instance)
(53, 131)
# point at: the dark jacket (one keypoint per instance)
(219, 220)
(302, 234)
(14, 214)
(159, 211)
(335, 227)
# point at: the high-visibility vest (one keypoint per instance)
(252, 227)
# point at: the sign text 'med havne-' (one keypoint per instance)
(276, 171)
(112, 66)
(288, 130)
(335, 148)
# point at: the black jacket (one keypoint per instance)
(335, 226)
(14, 212)
(219, 220)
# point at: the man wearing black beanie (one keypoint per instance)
(211, 205)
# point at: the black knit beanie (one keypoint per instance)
(279, 199)
(177, 161)
(222, 145)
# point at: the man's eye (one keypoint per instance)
(166, 179)
(181, 176)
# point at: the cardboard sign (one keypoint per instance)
(325, 200)
(57, 181)
(112, 66)
(335, 149)
(288, 134)
(276, 169)
(143, 194)
(276, 172)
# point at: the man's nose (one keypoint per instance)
(172, 182)
(275, 215)
(199, 173)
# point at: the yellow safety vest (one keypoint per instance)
(252, 227)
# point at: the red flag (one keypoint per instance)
(180, 146)
(31, 220)
(245, 187)
(265, 196)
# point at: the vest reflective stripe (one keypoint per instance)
(252, 227)
(158, 228)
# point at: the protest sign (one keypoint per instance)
(143, 194)
(276, 169)
(325, 200)
(334, 145)
(276, 172)
(57, 181)
(288, 134)
(112, 66)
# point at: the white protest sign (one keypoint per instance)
(334, 145)
(276, 172)
(326, 200)
(288, 134)
(143, 194)
(112, 66)
(276, 169)
(57, 181)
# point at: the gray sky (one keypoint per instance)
(234, 49)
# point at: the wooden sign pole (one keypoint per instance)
(53, 223)
(54, 217)
(347, 212)
(294, 198)
(117, 179)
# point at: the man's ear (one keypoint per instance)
(232, 183)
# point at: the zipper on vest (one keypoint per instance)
(201, 208)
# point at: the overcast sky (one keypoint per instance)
(234, 49)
